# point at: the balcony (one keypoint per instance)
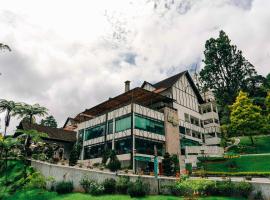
(212, 141)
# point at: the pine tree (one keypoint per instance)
(49, 121)
(246, 118)
(167, 164)
(114, 164)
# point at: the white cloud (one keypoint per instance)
(71, 55)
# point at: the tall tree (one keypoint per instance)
(226, 71)
(4, 47)
(9, 107)
(49, 121)
(31, 111)
(246, 118)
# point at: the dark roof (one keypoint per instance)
(168, 82)
(53, 133)
(136, 95)
(145, 82)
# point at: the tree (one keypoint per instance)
(49, 121)
(73, 157)
(114, 164)
(9, 107)
(31, 111)
(246, 118)
(226, 71)
(167, 164)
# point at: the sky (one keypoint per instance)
(72, 55)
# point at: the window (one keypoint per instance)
(123, 146)
(196, 134)
(182, 129)
(123, 123)
(93, 151)
(188, 132)
(187, 117)
(214, 108)
(208, 121)
(216, 121)
(110, 127)
(149, 124)
(147, 147)
(81, 136)
(194, 120)
(95, 132)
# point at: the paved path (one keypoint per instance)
(236, 142)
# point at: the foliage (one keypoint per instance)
(211, 158)
(74, 155)
(238, 174)
(137, 188)
(105, 156)
(226, 71)
(167, 164)
(246, 118)
(30, 111)
(49, 121)
(175, 162)
(114, 164)
(109, 186)
(91, 186)
(64, 187)
(204, 187)
(36, 181)
(9, 107)
(122, 184)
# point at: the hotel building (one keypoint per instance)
(168, 116)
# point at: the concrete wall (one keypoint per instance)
(74, 174)
(60, 173)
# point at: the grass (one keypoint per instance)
(253, 163)
(245, 147)
(44, 195)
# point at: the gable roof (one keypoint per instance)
(53, 133)
(168, 82)
(71, 120)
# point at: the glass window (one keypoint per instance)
(149, 124)
(194, 120)
(208, 121)
(123, 146)
(147, 147)
(93, 151)
(123, 123)
(182, 129)
(187, 117)
(110, 127)
(95, 132)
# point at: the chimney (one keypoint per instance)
(127, 86)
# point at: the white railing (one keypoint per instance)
(212, 140)
(206, 150)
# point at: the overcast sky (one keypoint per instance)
(71, 55)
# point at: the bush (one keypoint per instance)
(137, 189)
(109, 186)
(91, 186)
(73, 158)
(167, 164)
(122, 185)
(64, 187)
(242, 189)
(114, 164)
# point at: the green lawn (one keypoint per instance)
(43, 195)
(262, 145)
(254, 163)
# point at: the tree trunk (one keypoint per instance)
(252, 141)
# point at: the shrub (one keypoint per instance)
(91, 186)
(114, 164)
(167, 164)
(242, 189)
(122, 184)
(109, 186)
(137, 189)
(73, 158)
(64, 187)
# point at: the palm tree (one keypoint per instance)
(31, 111)
(9, 107)
(4, 47)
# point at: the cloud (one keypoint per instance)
(69, 56)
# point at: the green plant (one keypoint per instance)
(258, 196)
(114, 164)
(73, 158)
(64, 187)
(91, 186)
(138, 188)
(105, 156)
(122, 184)
(167, 164)
(109, 186)
(242, 189)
